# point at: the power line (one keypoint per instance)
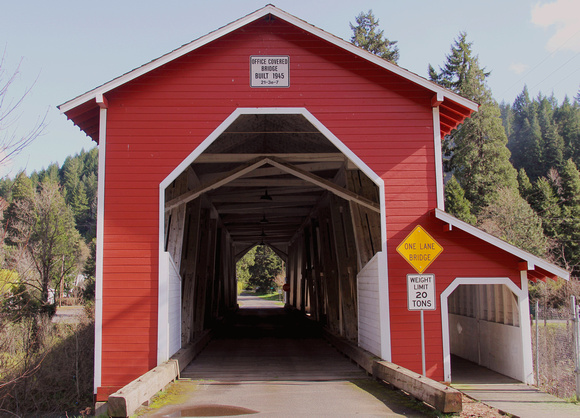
(549, 75)
(567, 77)
(540, 63)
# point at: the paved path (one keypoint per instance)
(508, 395)
(271, 363)
(366, 398)
(68, 314)
(246, 301)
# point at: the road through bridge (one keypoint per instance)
(271, 362)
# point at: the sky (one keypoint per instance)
(63, 48)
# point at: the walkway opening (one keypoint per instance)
(484, 329)
(282, 180)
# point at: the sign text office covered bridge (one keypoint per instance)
(272, 130)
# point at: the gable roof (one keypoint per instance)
(537, 268)
(83, 110)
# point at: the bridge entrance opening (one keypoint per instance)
(278, 179)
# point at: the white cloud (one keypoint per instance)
(565, 15)
(518, 68)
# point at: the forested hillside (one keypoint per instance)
(49, 224)
(544, 140)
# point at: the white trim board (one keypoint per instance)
(383, 271)
(531, 259)
(438, 159)
(274, 11)
(99, 248)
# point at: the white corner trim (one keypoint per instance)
(269, 9)
(524, 311)
(490, 239)
(438, 159)
(445, 311)
(99, 249)
(163, 309)
(384, 307)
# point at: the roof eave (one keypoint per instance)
(269, 9)
(531, 259)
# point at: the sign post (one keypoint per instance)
(421, 297)
(420, 250)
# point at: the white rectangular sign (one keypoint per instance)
(269, 71)
(421, 292)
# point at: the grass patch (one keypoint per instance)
(174, 394)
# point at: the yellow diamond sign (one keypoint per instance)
(419, 249)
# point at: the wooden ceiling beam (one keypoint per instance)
(303, 199)
(256, 193)
(242, 207)
(311, 167)
(269, 182)
(290, 157)
(296, 211)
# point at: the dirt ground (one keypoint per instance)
(474, 409)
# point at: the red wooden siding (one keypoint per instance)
(463, 256)
(155, 121)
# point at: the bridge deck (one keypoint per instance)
(271, 345)
(270, 362)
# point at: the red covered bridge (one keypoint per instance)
(270, 130)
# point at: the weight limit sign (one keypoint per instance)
(421, 292)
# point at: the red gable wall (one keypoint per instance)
(154, 122)
(158, 119)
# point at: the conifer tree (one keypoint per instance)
(507, 117)
(546, 202)
(553, 154)
(22, 195)
(567, 119)
(478, 156)
(524, 185)
(456, 203)
(366, 34)
(524, 134)
(569, 230)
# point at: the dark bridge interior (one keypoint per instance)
(272, 179)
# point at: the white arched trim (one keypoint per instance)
(162, 330)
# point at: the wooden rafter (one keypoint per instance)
(326, 184)
(225, 179)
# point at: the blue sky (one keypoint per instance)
(67, 47)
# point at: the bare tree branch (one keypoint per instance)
(11, 141)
